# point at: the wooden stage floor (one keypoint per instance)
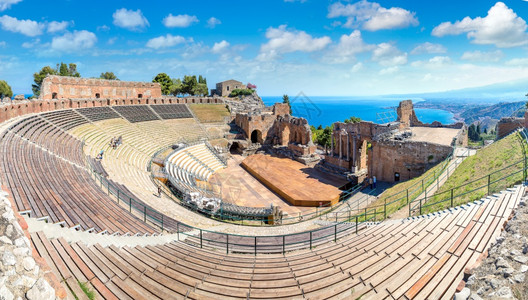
(294, 182)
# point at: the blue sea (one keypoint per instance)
(324, 111)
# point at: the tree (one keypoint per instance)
(5, 90)
(286, 100)
(200, 89)
(165, 81)
(473, 134)
(202, 80)
(176, 87)
(39, 77)
(352, 120)
(189, 84)
(108, 76)
(67, 70)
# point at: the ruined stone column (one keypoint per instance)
(354, 149)
(332, 137)
(348, 146)
(340, 146)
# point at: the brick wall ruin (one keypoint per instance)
(391, 160)
(13, 109)
(507, 125)
(60, 87)
(367, 149)
(277, 127)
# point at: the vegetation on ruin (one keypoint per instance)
(286, 100)
(352, 120)
(108, 76)
(241, 92)
(5, 90)
(210, 113)
(501, 163)
(61, 69)
(189, 85)
(322, 136)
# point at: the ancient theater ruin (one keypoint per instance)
(60, 87)
(394, 151)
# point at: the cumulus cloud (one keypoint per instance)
(212, 22)
(282, 40)
(5, 4)
(482, 56)
(130, 19)
(388, 55)
(70, 42)
(179, 20)
(435, 62)
(517, 62)
(25, 27)
(166, 41)
(429, 48)
(348, 47)
(501, 27)
(371, 16)
(55, 26)
(220, 46)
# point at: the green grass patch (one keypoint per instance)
(500, 164)
(89, 293)
(396, 196)
(210, 113)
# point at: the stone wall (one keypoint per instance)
(225, 88)
(407, 118)
(408, 158)
(507, 125)
(13, 109)
(277, 128)
(23, 273)
(60, 87)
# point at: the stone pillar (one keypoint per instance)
(354, 150)
(340, 146)
(332, 144)
(348, 146)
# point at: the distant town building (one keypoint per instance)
(225, 88)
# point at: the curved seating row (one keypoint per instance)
(419, 258)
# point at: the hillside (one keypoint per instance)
(495, 167)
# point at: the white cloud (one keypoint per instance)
(388, 55)
(179, 20)
(357, 67)
(212, 22)
(501, 27)
(31, 44)
(491, 56)
(517, 62)
(348, 47)
(70, 42)
(166, 41)
(25, 27)
(3, 44)
(103, 28)
(220, 47)
(371, 16)
(389, 70)
(435, 62)
(55, 26)
(5, 4)
(429, 48)
(281, 40)
(130, 19)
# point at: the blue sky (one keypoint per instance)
(350, 48)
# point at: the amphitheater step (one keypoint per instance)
(71, 235)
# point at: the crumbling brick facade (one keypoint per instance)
(61, 87)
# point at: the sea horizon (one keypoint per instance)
(326, 110)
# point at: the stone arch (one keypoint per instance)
(235, 148)
(53, 95)
(285, 136)
(256, 136)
